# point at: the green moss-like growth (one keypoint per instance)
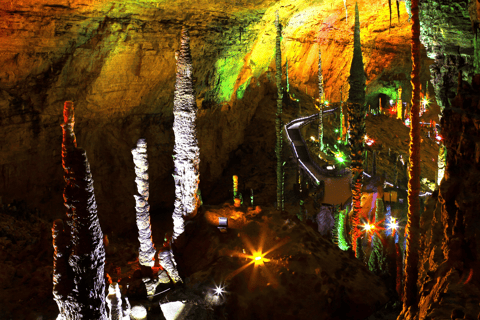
(341, 231)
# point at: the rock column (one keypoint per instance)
(186, 156)
(79, 253)
(146, 254)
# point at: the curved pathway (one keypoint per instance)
(337, 181)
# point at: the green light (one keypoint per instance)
(336, 130)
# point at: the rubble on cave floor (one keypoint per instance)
(299, 275)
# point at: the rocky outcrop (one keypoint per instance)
(450, 233)
(446, 33)
(146, 254)
(79, 253)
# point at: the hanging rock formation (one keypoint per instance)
(186, 156)
(79, 253)
(147, 250)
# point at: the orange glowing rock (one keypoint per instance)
(237, 202)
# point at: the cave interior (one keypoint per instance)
(239, 159)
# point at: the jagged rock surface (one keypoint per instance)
(79, 254)
(147, 250)
(450, 226)
(186, 154)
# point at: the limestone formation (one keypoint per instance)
(79, 257)
(186, 156)
(146, 254)
(278, 115)
(356, 116)
(114, 303)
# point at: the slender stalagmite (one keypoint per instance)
(413, 222)
(79, 253)
(278, 118)
(186, 156)
(356, 117)
(321, 96)
(146, 252)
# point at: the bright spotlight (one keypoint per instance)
(368, 227)
(219, 291)
(258, 258)
(393, 224)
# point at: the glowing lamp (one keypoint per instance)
(336, 130)
(393, 224)
(368, 227)
(439, 138)
(219, 291)
(138, 313)
(258, 258)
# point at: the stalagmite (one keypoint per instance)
(321, 98)
(412, 228)
(146, 252)
(356, 117)
(278, 118)
(114, 302)
(186, 157)
(79, 253)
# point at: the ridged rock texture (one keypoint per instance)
(186, 154)
(79, 253)
(114, 303)
(146, 253)
(356, 117)
(450, 226)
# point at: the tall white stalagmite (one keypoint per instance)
(186, 157)
(146, 253)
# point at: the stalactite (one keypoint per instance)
(186, 152)
(356, 118)
(79, 253)
(146, 252)
(321, 97)
(413, 223)
(278, 118)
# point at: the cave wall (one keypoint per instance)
(116, 60)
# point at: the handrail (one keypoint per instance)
(306, 120)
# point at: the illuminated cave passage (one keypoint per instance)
(205, 102)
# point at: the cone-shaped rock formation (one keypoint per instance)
(79, 253)
(186, 156)
(146, 253)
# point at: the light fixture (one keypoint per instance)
(222, 224)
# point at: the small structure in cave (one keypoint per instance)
(114, 303)
(186, 156)
(146, 253)
(79, 253)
